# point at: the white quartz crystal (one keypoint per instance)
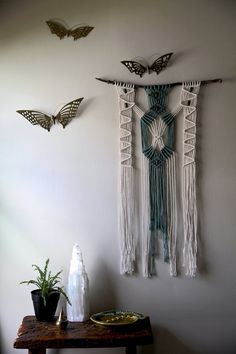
(77, 288)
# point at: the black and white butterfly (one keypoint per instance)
(157, 66)
(64, 116)
(61, 31)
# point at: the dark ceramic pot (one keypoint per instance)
(42, 312)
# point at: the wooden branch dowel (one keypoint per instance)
(113, 82)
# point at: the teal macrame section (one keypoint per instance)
(157, 132)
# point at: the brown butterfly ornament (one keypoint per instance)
(64, 116)
(157, 66)
(61, 31)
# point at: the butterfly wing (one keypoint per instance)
(68, 112)
(134, 67)
(81, 32)
(160, 63)
(35, 117)
(57, 28)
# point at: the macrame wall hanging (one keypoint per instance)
(159, 201)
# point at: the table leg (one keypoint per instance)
(130, 349)
(37, 351)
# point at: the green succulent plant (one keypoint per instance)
(46, 282)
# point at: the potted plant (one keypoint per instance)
(45, 298)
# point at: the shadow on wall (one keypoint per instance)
(1, 349)
(102, 290)
(165, 343)
(203, 266)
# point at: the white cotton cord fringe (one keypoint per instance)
(126, 186)
(145, 210)
(171, 177)
(172, 211)
(189, 101)
(145, 218)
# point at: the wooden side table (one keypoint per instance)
(37, 336)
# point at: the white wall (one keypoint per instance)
(59, 188)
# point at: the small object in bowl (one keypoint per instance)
(116, 318)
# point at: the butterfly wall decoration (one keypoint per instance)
(157, 66)
(64, 116)
(61, 31)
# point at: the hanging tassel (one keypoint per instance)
(189, 102)
(126, 187)
(145, 217)
(148, 251)
(172, 211)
